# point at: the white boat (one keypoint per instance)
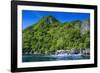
(65, 53)
(61, 53)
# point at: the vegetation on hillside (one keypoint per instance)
(49, 34)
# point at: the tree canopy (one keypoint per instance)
(49, 34)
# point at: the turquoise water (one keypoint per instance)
(37, 58)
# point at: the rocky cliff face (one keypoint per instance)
(50, 20)
(85, 26)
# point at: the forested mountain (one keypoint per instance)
(49, 34)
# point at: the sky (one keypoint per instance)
(30, 17)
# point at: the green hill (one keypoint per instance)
(49, 34)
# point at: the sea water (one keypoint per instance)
(39, 58)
